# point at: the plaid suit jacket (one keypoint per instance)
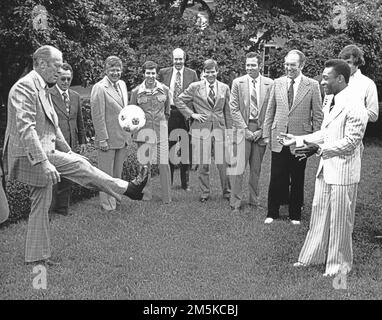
(218, 117)
(305, 115)
(32, 131)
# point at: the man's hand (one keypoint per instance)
(103, 145)
(82, 148)
(266, 140)
(306, 151)
(249, 135)
(200, 117)
(286, 139)
(257, 135)
(50, 171)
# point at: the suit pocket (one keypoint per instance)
(307, 127)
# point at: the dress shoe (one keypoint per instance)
(268, 220)
(295, 222)
(299, 264)
(135, 187)
(46, 262)
(203, 199)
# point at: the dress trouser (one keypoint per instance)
(177, 121)
(111, 162)
(78, 170)
(329, 238)
(254, 153)
(286, 169)
(156, 153)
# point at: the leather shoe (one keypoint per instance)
(299, 264)
(135, 187)
(203, 199)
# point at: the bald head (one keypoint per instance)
(47, 62)
(178, 58)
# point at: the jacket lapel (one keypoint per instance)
(58, 101)
(123, 89)
(203, 93)
(330, 116)
(45, 102)
(302, 90)
(111, 91)
(284, 92)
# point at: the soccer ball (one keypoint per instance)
(131, 118)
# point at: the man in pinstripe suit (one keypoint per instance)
(329, 238)
(295, 106)
(36, 153)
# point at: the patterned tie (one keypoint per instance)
(178, 85)
(66, 101)
(290, 94)
(115, 85)
(254, 108)
(211, 96)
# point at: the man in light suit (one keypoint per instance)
(295, 106)
(107, 99)
(178, 78)
(36, 153)
(212, 116)
(67, 105)
(339, 142)
(248, 103)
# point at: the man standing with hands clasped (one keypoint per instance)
(339, 142)
(248, 103)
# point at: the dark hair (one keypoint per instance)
(340, 67)
(150, 65)
(209, 64)
(256, 55)
(66, 66)
(352, 50)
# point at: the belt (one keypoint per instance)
(252, 121)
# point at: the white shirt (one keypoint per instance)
(367, 91)
(297, 81)
(173, 78)
(257, 88)
(61, 92)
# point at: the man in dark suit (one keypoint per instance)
(36, 153)
(67, 105)
(178, 78)
(295, 106)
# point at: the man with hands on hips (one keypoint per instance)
(339, 142)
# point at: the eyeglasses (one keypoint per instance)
(66, 79)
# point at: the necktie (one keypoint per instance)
(290, 94)
(331, 105)
(211, 96)
(254, 108)
(178, 85)
(66, 101)
(115, 85)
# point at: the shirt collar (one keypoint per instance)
(297, 80)
(158, 88)
(257, 79)
(175, 70)
(61, 92)
(110, 82)
(356, 74)
(209, 84)
(40, 79)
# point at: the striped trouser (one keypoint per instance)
(331, 226)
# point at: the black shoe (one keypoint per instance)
(135, 187)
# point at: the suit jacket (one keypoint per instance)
(189, 76)
(340, 138)
(305, 115)
(106, 104)
(32, 131)
(156, 107)
(72, 124)
(218, 117)
(240, 101)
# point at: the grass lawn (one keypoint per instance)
(189, 250)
